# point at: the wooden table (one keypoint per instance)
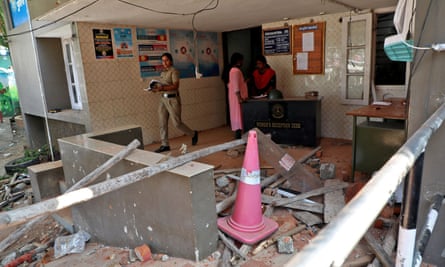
(396, 112)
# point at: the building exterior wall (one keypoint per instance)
(26, 72)
(427, 93)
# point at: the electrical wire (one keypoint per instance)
(416, 47)
(194, 13)
(205, 8)
(53, 22)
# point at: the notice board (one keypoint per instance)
(308, 48)
(277, 41)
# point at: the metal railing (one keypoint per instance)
(334, 243)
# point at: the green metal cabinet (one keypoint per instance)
(376, 142)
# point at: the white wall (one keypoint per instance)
(427, 93)
(26, 73)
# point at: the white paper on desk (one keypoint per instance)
(308, 41)
(381, 103)
(302, 61)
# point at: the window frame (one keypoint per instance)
(366, 74)
(71, 74)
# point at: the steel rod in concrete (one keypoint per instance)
(355, 218)
(92, 176)
(21, 215)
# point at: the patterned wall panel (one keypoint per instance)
(115, 95)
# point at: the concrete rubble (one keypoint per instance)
(297, 225)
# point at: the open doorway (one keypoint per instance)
(248, 42)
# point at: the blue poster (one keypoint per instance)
(208, 53)
(19, 12)
(152, 43)
(124, 42)
(182, 50)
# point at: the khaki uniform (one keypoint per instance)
(170, 107)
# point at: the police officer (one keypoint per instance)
(170, 103)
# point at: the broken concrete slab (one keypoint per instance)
(311, 206)
(149, 210)
(302, 180)
(45, 179)
(307, 218)
(333, 201)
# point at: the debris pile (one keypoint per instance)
(301, 196)
(15, 191)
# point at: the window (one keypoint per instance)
(72, 81)
(357, 36)
(389, 76)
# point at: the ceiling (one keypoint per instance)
(210, 15)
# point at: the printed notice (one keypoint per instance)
(302, 61)
(151, 44)
(308, 42)
(277, 41)
(103, 44)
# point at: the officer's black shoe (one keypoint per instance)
(195, 138)
(162, 149)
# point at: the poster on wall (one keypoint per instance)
(208, 53)
(182, 50)
(124, 42)
(18, 10)
(308, 48)
(103, 45)
(152, 43)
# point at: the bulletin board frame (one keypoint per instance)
(308, 48)
(277, 41)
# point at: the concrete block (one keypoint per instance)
(222, 181)
(172, 212)
(327, 171)
(45, 179)
(285, 245)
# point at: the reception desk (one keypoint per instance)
(293, 121)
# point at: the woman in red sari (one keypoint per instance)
(264, 77)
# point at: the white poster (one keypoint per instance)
(308, 42)
(302, 61)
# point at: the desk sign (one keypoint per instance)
(277, 41)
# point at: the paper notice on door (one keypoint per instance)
(302, 61)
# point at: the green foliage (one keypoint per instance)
(3, 33)
(31, 154)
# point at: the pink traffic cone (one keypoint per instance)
(247, 223)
